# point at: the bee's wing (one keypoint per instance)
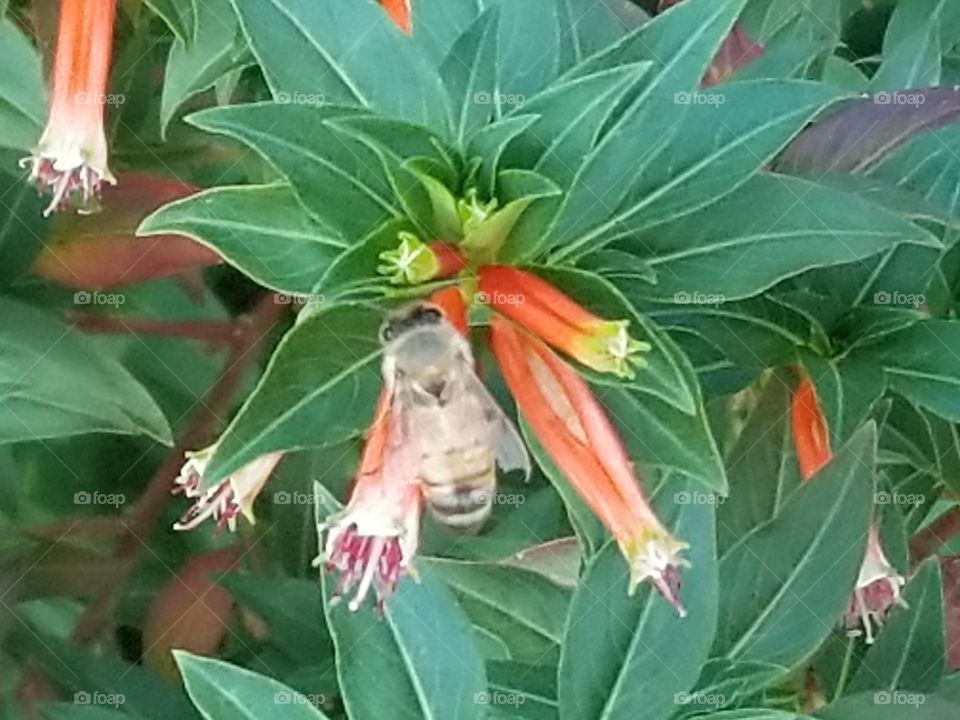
(505, 439)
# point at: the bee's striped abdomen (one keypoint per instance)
(459, 486)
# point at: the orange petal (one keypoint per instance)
(548, 414)
(399, 11)
(451, 303)
(810, 437)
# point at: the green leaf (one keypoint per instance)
(790, 579)
(724, 137)
(194, 67)
(920, 364)
(55, 382)
(885, 705)
(469, 73)
(910, 652)
(179, 15)
(758, 714)
(339, 179)
(305, 400)
(704, 254)
(523, 691)
(590, 26)
(418, 661)
(222, 691)
(290, 608)
(488, 145)
(918, 34)
(22, 97)
(649, 657)
(556, 142)
(524, 609)
(22, 225)
(343, 51)
(928, 165)
(262, 230)
(762, 465)
(681, 43)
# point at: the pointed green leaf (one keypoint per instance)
(649, 656)
(222, 691)
(343, 51)
(418, 661)
(788, 582)
(54, 382)
(262, 230)
(319, 389)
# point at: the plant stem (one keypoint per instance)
(250, 332)
(931, 538)
(224, 333)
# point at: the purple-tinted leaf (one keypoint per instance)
(858, 136)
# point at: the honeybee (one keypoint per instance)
(444, 422)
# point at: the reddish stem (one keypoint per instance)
(151, 505)
(929, 540)
(215, 332)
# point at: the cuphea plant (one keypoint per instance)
(684, 280)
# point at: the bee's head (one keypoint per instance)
(424, 350)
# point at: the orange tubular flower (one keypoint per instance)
(603, 345)
(450, 301)
(71, 157)
(373, 541)
(399, 11)
(809, 430)
(879, 584)
(413, 261)
(572, 426)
